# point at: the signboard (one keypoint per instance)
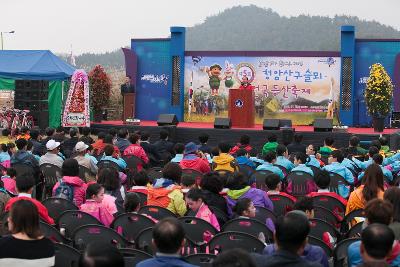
(76, 109)
(296, 88)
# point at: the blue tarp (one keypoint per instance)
(33, 65)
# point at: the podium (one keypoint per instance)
(129, 106)
(241, 108)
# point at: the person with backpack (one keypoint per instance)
(71, 187)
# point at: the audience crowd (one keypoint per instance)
(301, 203)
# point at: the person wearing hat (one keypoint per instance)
(194, 159)
(51, 156)
(81, 150)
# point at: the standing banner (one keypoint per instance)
(76, 109)
(295, 87)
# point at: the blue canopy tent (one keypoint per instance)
(36, 65)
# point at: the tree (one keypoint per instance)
(100, 89)
(379, 91)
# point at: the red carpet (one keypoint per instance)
(258, 127)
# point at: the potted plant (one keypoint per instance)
(100, 90)
(378, 95)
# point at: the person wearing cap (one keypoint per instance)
(81, 149)
(194, 159)
(51, 156)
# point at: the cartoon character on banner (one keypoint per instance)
(214, 74)
(229, 72)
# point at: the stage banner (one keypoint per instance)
(296, 88)
(76, 109)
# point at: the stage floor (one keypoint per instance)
(258, 127)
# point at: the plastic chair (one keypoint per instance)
(66, 256)
(246, 170)
(300, 183)
(319, 243)
(249, 226)
(259, 178)
(143, 198)
(282, 204)
(221, 216)
(348, 219)
(108, 164)
(262, 214)
(355, 230)
(90, 233)
(201, 259)
(224, 175)
(86, 174)
(340, 251)
(330, 203)
(327, 215)
(134, 256)
(315, 170)
(143, 240)
(194, 174)
(55, 206)
(129, 225)
(283, 169)
(228, 240)
(318, 227)
(337, 180)
(196, 228)
(156, 212)
(51, 173)
(70, 220)
(52, 233)
(154, 173)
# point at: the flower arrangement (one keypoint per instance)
(100, 88)
(379, 91)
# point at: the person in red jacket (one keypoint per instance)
(25, 185)
(194, 159)
(243, 143)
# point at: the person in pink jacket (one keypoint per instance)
(134, 149)
(70, 172)
(195, 201)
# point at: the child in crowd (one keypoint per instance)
(268, 165)
(314, 161)
(300, 161)
(274, 185)
(178, 149)
(187, 182)
(224, 161)
(243, 158)
(94, 206)
(9, 181)
(282, 156)
(12, 149)
(203, 147)
(327, 149)
(140, 180)
(5, 159)
(271, 145)
(132, 202)
(196, 202)
(244, 143)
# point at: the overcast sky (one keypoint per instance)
(104, 25)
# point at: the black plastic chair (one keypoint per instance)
(259, 178)
(221, 216)
(154, 173)
(52, 233)
(70, 220)
(337, 180)
(330, 203)
(134, 256)
(318, 227)
(201, 259)
(133, 163)
(195, 228)
(129, 225)
(66, 256)
(282, 204)
(156, 212)
(51, 174)
(144, 239)
(283, 169)
(193, 173)
(348, 220)
(327, 215)
(86, 174)
(355, 230)
(300, 181)
(224, 175)
(315, 170)
(319, 243)
(143, 198)
(228, 240)
(340, 251)
(55, 206)
(90, 233)
(249, 226)
(108, 164)
(262, 214)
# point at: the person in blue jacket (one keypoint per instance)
(310, 151)
(378, 159)
(268, 165)
(282, 158)
(371, 152)
(335, 159)
(300, 160)
(242, 158)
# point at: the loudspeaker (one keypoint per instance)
(222, 123)
(323, 125)
(32, 94)
(33, 105)
(40, 118)
(285, 123)
(45, 85)
(271, 124)
(19, 85)
(167, 119)
(287, 135)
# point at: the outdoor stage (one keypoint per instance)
(189, 131)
